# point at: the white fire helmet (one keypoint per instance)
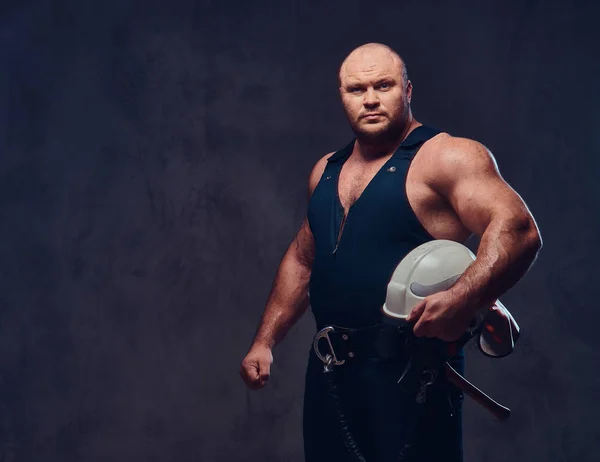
(434, 267)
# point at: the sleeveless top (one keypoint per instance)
(349, 278)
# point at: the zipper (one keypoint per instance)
(345, 218)
(341, 230)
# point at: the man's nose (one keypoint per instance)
(371, 99)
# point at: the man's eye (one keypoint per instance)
(354, 89)
(384, 85)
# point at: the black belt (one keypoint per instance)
(384, 341)
(379, 341)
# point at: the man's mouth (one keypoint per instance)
(372, 115)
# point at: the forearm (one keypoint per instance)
(287, 301)
(506, 251)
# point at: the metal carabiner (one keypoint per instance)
(329, 359)
(422, 393)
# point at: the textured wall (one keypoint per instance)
(154, 160)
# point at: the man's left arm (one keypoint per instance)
(467, 176)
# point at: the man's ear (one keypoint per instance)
(409, 90)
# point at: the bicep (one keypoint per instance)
(304, 244)
(472, 184)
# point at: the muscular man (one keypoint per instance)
(398, 184)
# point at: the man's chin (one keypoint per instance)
(380, 133)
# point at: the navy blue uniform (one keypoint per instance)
(348, 288)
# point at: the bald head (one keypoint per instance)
(376, 93)
(370, 56)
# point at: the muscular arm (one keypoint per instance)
(468, 178)
(288, 299)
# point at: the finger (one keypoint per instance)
(264, 371)
(422, 327)
(416, 312)
(249, 373)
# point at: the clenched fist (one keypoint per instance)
(256, 367)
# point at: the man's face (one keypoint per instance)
(375, 97)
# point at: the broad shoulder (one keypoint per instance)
(317, 171)
(448, 158)
(448, 151)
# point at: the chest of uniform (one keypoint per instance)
(354, 180)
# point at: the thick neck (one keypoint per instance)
(367, 150)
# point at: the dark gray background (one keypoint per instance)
(154, 164)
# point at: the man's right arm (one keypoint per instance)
(288, 299)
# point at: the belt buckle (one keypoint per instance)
(330, 359)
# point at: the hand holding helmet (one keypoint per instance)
(419, 289)
(442, 315)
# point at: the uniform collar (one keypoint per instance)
(417, 136)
